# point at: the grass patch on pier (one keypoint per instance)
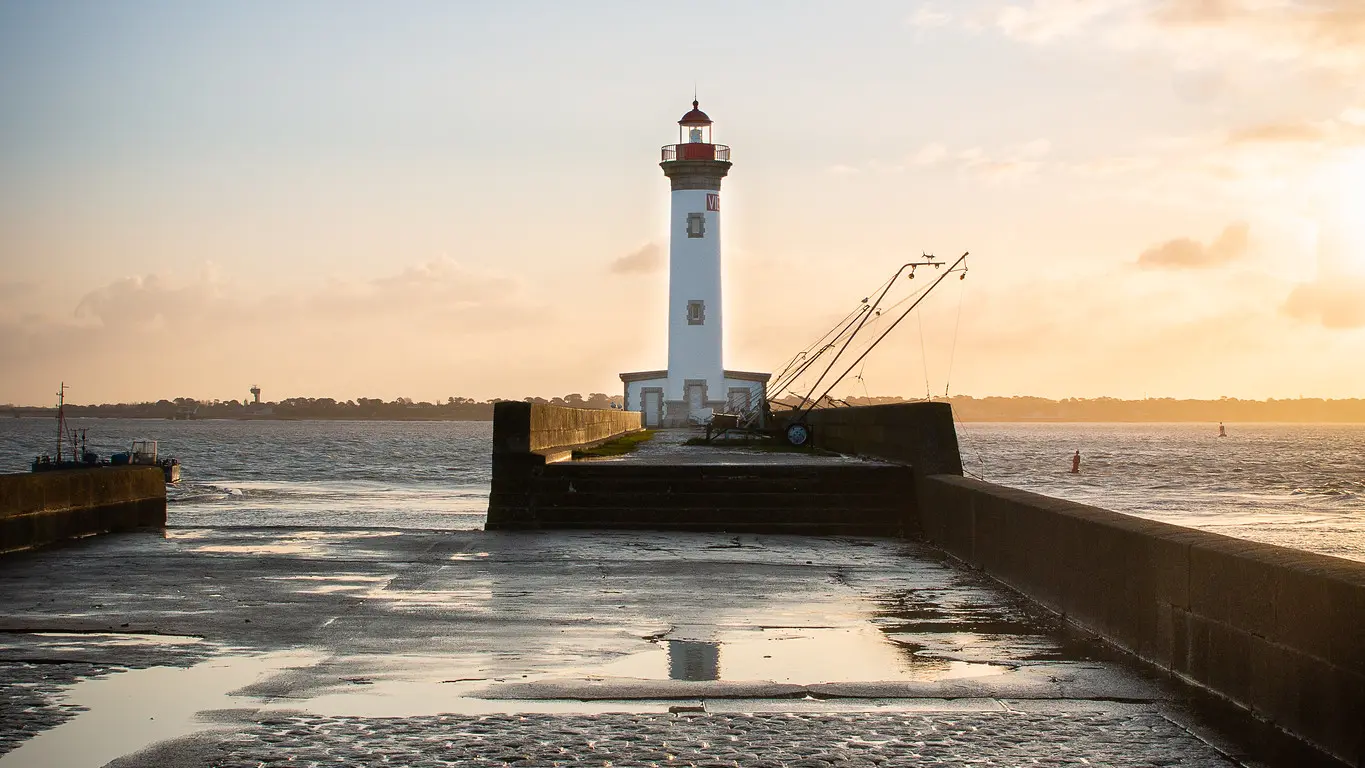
(616, 446)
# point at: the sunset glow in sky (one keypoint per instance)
(426, 199)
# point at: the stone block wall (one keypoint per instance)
(527, 435)
(919, 434)
(1278, 631)
(38, 508)
(551, 430)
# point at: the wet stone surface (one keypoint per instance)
(805, 740)
(29, 698)
(668, 447)
(252, 647)
(37, 668)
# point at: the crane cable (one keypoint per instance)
(866, 394)
(952, 355)
(923, 357)
(957, 326)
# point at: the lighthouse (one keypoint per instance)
(695, 386)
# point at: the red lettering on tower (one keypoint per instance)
(713, 202)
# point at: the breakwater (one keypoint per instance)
(526, 437)
(553, 432)
(1277, 631)
(42, 507)
(920, 435)
(679, 492)
(834, 499)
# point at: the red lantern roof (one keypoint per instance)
(695, 117)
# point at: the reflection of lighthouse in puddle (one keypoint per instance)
(693, 660)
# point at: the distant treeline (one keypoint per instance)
(965, 407)
(400, 409)
(1152, 410)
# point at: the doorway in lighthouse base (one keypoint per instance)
(652, 407)
(695, 396)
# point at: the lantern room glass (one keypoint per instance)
(694, 134)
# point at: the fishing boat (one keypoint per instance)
(142, 452)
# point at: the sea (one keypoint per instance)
(1294, 485)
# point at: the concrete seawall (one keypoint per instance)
(1278, 631)
(527, 436)
(553, 431)
(919, 434)
(531, 491)
(42, 507)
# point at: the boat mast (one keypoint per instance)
(61, 420)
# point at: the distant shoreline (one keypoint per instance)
(1004, 410)
(489, 421)
(84, 417)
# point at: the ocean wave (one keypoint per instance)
(1330, 493)
(208, 492)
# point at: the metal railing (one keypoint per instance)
(671, 152)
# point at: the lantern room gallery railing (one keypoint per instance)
(673, 152)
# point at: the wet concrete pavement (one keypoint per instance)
(254, 647)
(668, 446)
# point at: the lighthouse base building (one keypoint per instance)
(695, 386)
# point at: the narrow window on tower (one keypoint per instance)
(696, 225)
(696, 312)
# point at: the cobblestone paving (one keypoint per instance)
(792, 740)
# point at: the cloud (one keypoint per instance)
(442, 288)
(1183, 252)
(432, 291)
(1044, 21)
(1276, 132)
(1011, 165)
(13, 288)
(13, 293)
(1338, 304)
(149, 301)
(928, 16)
(440, 322)
(1115, 165)
(1323, 34)
(1344, 131)
(643, 260)
(930, 154)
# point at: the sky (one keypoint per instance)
(1161, 198)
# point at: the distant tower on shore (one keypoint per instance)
(255, 395)
(695, 385)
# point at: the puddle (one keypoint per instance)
(131, 710)
(82, 640)
(298, 543)
(410, 686)
(797, 655)
(339, 583)
(128, 711)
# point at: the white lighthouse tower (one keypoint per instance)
(695, 385)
